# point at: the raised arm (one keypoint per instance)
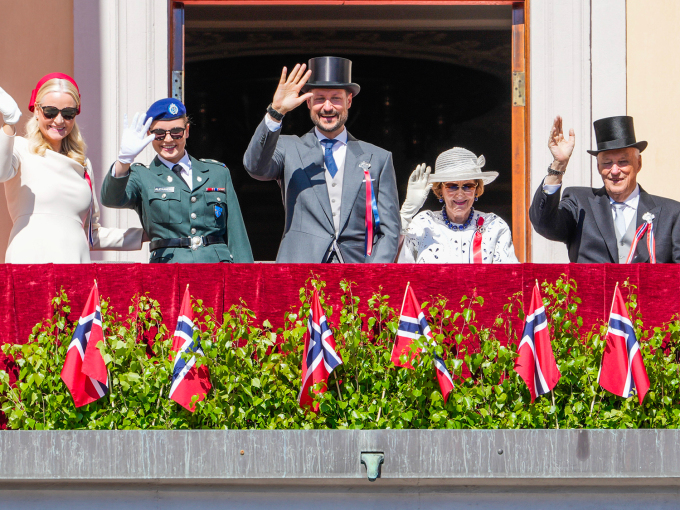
(9, 116)
(561, 149)
(261, 160)
(416, 194)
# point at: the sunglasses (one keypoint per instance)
(175, 133)
(51, 112)
(467, 188)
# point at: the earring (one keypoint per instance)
(441, 200)
(476, 198)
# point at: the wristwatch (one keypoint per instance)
(552, 171)
(274, 114)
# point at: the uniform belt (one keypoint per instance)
(186, 242)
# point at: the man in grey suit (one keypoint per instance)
(339, 193)
(605, 225)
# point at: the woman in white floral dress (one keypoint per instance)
(458, 233)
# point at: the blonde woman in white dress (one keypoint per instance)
(457, 233)
(49, 183)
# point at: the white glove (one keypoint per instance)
(9, 109)
(416, 194)
(134, 138)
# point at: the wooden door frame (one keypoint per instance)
(521, 185)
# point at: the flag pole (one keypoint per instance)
(611, 309)
(337, 385)
(552, 393)
(388, 371)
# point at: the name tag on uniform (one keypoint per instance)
(168, 189)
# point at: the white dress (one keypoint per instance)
(52, 207)
(429, 240)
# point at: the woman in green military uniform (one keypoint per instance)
(187, 207)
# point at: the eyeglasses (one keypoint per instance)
(467, 188)
(51, 112)
(175, 133)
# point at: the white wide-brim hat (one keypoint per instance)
(460, 164)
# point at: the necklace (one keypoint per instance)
(453, 226)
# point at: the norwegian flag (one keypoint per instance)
(187, 380)
(413, 325)
(319, 358)
(622, 371)
(536, 362)
(84, 372)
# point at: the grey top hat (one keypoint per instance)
(331, 73)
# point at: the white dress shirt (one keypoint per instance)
(630, 206)
(631, 203)
(185, 163)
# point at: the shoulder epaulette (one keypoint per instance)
(213, 161)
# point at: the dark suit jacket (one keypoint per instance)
(296, 163)
(583, 220)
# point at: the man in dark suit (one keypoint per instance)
(339, 193)
(600, 225)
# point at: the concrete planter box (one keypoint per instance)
(322, 469)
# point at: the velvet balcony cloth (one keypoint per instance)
(272, 289)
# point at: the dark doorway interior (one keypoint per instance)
(414, 107)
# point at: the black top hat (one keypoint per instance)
(614, 133)
(331, 73)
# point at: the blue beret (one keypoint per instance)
(166, 109)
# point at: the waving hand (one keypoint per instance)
(287, 96)
(561, 147)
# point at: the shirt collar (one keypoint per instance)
(342, 137)
(185, 162)
(632, 201)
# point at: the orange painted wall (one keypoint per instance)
(36, 39)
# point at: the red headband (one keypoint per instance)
(45, 79)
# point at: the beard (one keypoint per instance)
(324, 128)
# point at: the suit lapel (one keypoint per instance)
(645, 205)
(311, 154)
(353, 178)
(602, 213)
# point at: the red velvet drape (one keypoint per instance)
(272, 289)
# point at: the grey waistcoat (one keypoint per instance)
(624, 243)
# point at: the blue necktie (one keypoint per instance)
(328, 156)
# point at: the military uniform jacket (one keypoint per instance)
(297, 164)
(168, 209)
(583, 220)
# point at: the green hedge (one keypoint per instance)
(255, 370)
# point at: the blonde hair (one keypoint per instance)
(437, 188)
(73, 145)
